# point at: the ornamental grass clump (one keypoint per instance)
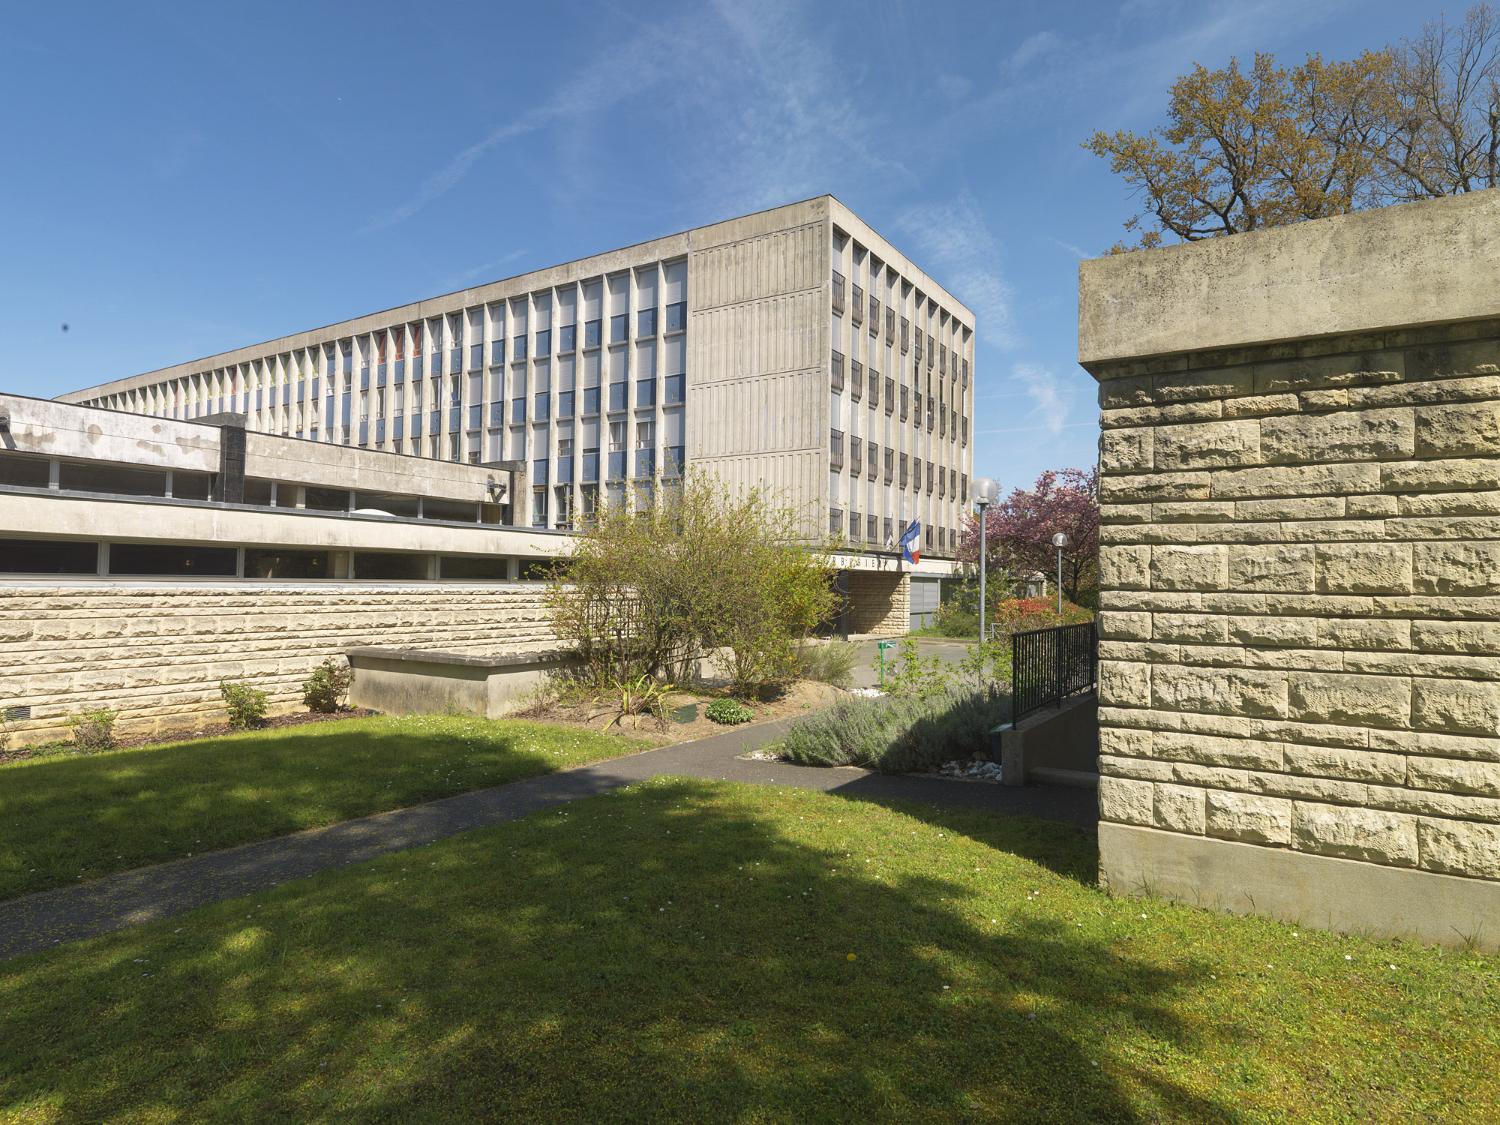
(897, 734)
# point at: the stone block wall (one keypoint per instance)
(156, 652)
(1300, 626)
(879, 603)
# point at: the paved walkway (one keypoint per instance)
(132, 898)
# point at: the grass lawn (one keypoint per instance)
(67, 819)
(699, 951)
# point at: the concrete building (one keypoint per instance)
(794, 349)
(1300, 563)
(142, 560)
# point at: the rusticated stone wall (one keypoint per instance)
(879, 603)
(156, 652)
(1300, 626)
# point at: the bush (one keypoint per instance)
(953, 620)
(1021, 615)
(93, 730)
(246, 705)
(706, 569)
(830, 663)
(896, 734)
(728, 712)
(325, 690)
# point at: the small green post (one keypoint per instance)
(882, 646)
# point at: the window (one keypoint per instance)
(119, 480)
(677, 316)
(856, 380)
(518, 348)
(590, 401)
(874, 388)
(673, 462)
(618, 395)
(45, 556)
(874, 315)
(645, 322)
(517, 410)
(27, 472)
(539, 471)
(476, 356)
(567, 339)
(857, 305)
(391, 566)
(473, 568)
(645, 464)
(890, 396)
(854, 524)
(871, 527)
(543, 342)
(591, 334)
(619, 328)
(541, 406)
(278, 562)
(905, 335)
(890, 465)
(565, 404)
(890, 532)
(837, 369)
(590, 469)
(835, 521)
(838, 292)
(497, 351)
(171, 559)
(836, 449)
(856, 454)
(673, 390)
(645, 392)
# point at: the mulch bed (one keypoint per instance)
(179, 734)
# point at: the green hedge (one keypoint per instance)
(896, 734)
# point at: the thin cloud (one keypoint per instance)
(1077, 251)
(1051, 400)
(964, 253)
(624, 70)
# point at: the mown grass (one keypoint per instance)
(702, 952)
(63, 820)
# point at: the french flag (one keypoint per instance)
(911, 542)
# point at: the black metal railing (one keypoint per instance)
(1049, 665)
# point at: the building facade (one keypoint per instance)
(793, 349)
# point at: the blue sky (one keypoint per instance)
(183, 179)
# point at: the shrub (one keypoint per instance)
(830, 663)
(246, 705)
(912, 674)
(953, 620)
(897, 734)
(705, 569)
(728, 712)
(325, 690)
(93, 730)
(1021, 615)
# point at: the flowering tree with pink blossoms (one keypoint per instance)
(1019, 530)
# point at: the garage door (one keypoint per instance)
(925, 596)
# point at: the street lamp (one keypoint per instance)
(985, 492)
(1060, 541)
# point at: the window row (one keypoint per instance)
(902, 469)
(62, 557)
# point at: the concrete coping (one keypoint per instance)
(495, 661)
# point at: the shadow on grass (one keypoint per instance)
(679, 950)
(70, 819)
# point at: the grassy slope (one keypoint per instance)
(66, 819)
(709, 952)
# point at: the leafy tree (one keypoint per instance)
(706, 571)
(1018, 531)
(1272, 145)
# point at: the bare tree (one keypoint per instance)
(1437, 131)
